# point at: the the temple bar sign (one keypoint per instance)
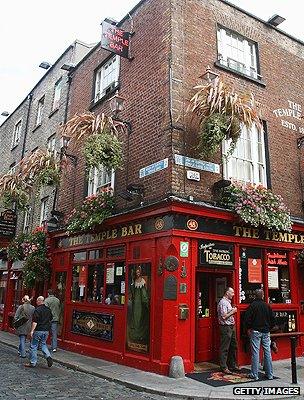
(115, 39)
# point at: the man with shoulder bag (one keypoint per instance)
(23, 323)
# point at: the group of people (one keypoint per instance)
(259, 320)
(40, 321)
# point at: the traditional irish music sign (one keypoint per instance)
(115, 39)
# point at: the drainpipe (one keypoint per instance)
(29, 97)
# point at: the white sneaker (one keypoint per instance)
(54, 350)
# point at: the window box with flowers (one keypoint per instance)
(257, 206)
(32, 249)
(92, 212)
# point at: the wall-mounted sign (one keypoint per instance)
(171, 263)
(294, 111)
(215, 254)
(152, 168)
(115, 39)
(192, 224)
(193, 176)
(93, 324)
(8, 220)
(184, 249)
(170, 288)
(197, 164)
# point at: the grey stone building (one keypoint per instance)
(34, 123)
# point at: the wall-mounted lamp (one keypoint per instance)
(64, 141)
(67, 67)
(5, 113)
(116, 103)
(45, 65)
(54, 222)
(133, 192)
(275, 20)
(209, 75)
(221, 184)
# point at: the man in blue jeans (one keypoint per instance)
(54, 305)
(41, 324)
(259, 319)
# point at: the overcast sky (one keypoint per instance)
(31, 32)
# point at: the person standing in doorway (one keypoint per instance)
(41, 324)
(27, 310)
(228, 343)
(259, 320)
(54, 305)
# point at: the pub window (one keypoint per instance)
(80, 256)
(251, 273)
(115, 283)
(95, 283)
(106, 78)
(100, 178)
(278, 277)
(79, 283)
(247, 163)
(95, 254)
(237, 52)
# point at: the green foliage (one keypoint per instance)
(93, 211)
(105, 149)
(48, 176)
(17, 196)
(257, 206)
(31, 248)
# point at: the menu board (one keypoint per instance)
(254, 270)
(273, 278)
(278, 276)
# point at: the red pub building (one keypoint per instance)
(144, 285)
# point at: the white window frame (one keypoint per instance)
(106, 78)
(98, 180)
(51, 144)
(40, 108)
(43, 211)
(57, 94)
(245, 158)
(12, 169)
(26, 221)
(237, 53)
(17, 133)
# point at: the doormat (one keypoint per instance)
(219, 378)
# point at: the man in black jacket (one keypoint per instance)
(41, 324)
(259, 319)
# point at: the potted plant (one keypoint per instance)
(92, 212)
(257, 206)
(220, 112)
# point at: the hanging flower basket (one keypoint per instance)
(93, 211)
(32, 249)
(257, 206)
(17, 196)
(49, 176)
(220, 112)
(103, 149)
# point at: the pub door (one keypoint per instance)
(60, 290)
(210, 287)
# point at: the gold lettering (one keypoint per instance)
(109, 234)
(138, 229)
(130, 231)
(124, 231)
(297, 239)
(302, 239)
(267, 234)
(247, 232)
(103, 235)
(290, 237)
(283, 237)
(275, 236)
(255, 233)
(114, 233)
(238, 230)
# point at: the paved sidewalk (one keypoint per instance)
(184, 388)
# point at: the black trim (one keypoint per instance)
(36, 127)
(239, 74)
(53, 112)
(267, 155)
(104, 98)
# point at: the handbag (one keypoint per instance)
(23, 318)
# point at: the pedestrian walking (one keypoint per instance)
(55, 306)
(24, 310)
(228, 343)
(41, 324)
(259, 320)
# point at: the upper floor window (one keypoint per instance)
(43, 210)
(40, 111)
(106, 78)
(248, 162)
(12, 168)
(100, 178)
(26, 221)
(17, 134)
(51, 143)
(57, 94)
(237, 52)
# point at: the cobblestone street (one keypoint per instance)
(18, 382)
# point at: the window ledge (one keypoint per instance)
(103, 98)
(14, 146)
(240, 74)
(36, 127)
(53, 112)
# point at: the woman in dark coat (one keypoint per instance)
(27, 310)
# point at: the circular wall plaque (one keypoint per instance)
(171, 263)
